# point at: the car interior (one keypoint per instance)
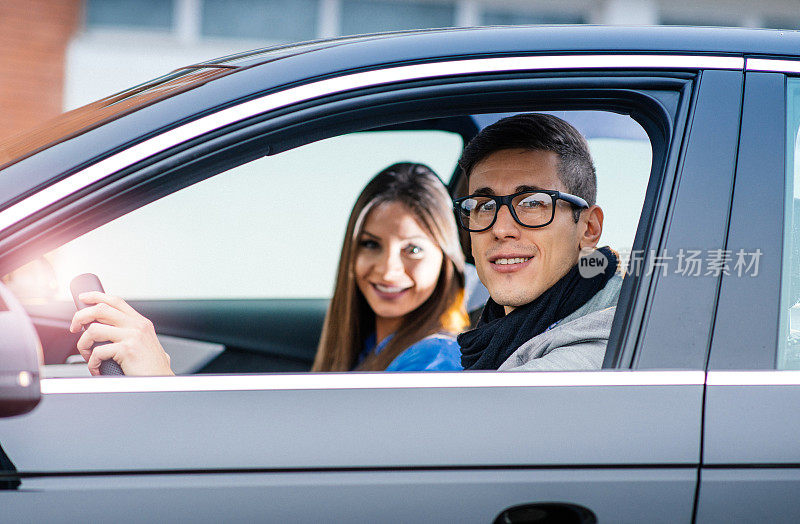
(235, 270)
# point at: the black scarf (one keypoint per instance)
(497, 335)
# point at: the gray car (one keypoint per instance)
(214, 199)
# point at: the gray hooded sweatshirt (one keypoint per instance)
(577, 342)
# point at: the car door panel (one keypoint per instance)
(276, 421)
(314, 432)
(767, 435)
(465, 495)
(749, 494)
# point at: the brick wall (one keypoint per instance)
(33, 41)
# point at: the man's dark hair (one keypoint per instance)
(537, 131)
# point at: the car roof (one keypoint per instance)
(208, 86)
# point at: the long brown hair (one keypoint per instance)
(350, 319)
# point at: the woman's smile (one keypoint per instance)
(389, 292)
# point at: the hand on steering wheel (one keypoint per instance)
(133, 343)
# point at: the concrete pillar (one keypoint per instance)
(752, 20)
(329, 18)
(468, 13)
(625, 12)
(188, 17)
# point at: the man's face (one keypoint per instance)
(535, 259)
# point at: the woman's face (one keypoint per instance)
(397, 262)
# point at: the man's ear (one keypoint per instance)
(591, 227)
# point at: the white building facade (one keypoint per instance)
(126, 42)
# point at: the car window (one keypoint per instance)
(789, 341)
(236, 270)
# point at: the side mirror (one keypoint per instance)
(20, 356)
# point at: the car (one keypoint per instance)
(214, 199)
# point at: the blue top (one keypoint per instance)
(437, 352)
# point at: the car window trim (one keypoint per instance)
(754, 378)
(419, 380)
(380, 380)
(53, 193)
(772, 65)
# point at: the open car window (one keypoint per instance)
(236, 270)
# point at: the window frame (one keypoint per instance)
(168, 170)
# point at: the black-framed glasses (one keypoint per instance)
(478, 213)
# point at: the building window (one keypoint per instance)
(281, 20)
(700, 21)
(781, 22)
(508, 17)
(138, 14)
(368, 16)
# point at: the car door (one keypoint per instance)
(750, 455)
(621, 444)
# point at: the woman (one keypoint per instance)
(399, 294)
(411, 301)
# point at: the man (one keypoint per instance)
(531, 215)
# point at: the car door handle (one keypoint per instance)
(546, 513)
